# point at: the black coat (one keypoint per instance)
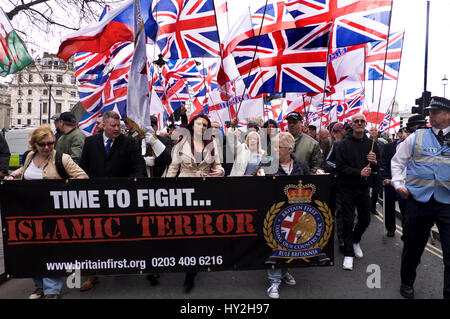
(298, 168)
(351, 158)
(124, 159)
(387, 153)
(4, 155)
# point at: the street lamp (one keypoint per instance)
(444, 82)
(49, 82)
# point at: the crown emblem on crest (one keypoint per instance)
(299, 193)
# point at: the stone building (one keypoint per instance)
(31, 104)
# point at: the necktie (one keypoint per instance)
(440, 137)
(108, 146)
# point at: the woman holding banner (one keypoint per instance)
(195, 156)
(288, 165)
(42, 162)
(248, 154)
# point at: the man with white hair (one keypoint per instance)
(356, 159)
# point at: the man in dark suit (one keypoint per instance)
(111, 154)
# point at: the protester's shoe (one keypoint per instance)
(390, 233)
(273, 292)
(153, 278)
(407, 291)
(348, 263)
(189, 282)
(37, 294)
(357, 250)
(288, 279)
(89, 283)
(51, 296)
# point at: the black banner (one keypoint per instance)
(129, 226)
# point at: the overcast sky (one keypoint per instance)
(408, 15)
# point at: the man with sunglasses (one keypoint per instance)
(425, 155)
(356, 159)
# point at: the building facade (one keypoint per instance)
(31, 101)
(5, 107)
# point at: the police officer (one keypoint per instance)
(426, 156)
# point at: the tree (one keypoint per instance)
(42, 23)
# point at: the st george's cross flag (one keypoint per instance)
(13, 53)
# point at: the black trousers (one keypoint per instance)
(419, 219)
(351, 198)
(390, 197)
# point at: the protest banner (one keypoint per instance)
(132, 226)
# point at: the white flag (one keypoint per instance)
(138, 105)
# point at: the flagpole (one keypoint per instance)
(396, 84)
(253, 59)
(221, 52)
(382, 78)
(304, 107)
(326, 73)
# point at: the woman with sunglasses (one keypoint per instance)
(40, 164)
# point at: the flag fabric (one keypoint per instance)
(375, 113)
(138, 102)
(115, 26)
(346, 67)
(376, 56)
(292, 60)
(187, 28)
(100, 83)
(13, 53)
(353, 103)
(355, 21)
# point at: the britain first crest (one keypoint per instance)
(299, 230)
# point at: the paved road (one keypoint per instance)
(312, 283)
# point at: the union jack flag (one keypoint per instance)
(102, 85)
(353, 103)
(175, 70)
(355, 22)
(376, 55)
(292, 60)
(187, 28)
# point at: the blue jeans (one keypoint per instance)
(276, 274)
(49, 285)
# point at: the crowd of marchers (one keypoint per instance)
(412, 167)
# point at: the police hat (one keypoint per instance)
(416, 120)
(439, 103)
(294, 116)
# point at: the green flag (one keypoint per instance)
(13, 53)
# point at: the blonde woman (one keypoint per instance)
(40, 164)
(248, 154)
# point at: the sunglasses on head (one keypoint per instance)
(45, 144)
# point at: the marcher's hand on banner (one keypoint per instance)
(320, 172)
(216, 173)
(386, 182)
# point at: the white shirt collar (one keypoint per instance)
(445, 130)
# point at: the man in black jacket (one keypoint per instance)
(355, 161)
(112, 154)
